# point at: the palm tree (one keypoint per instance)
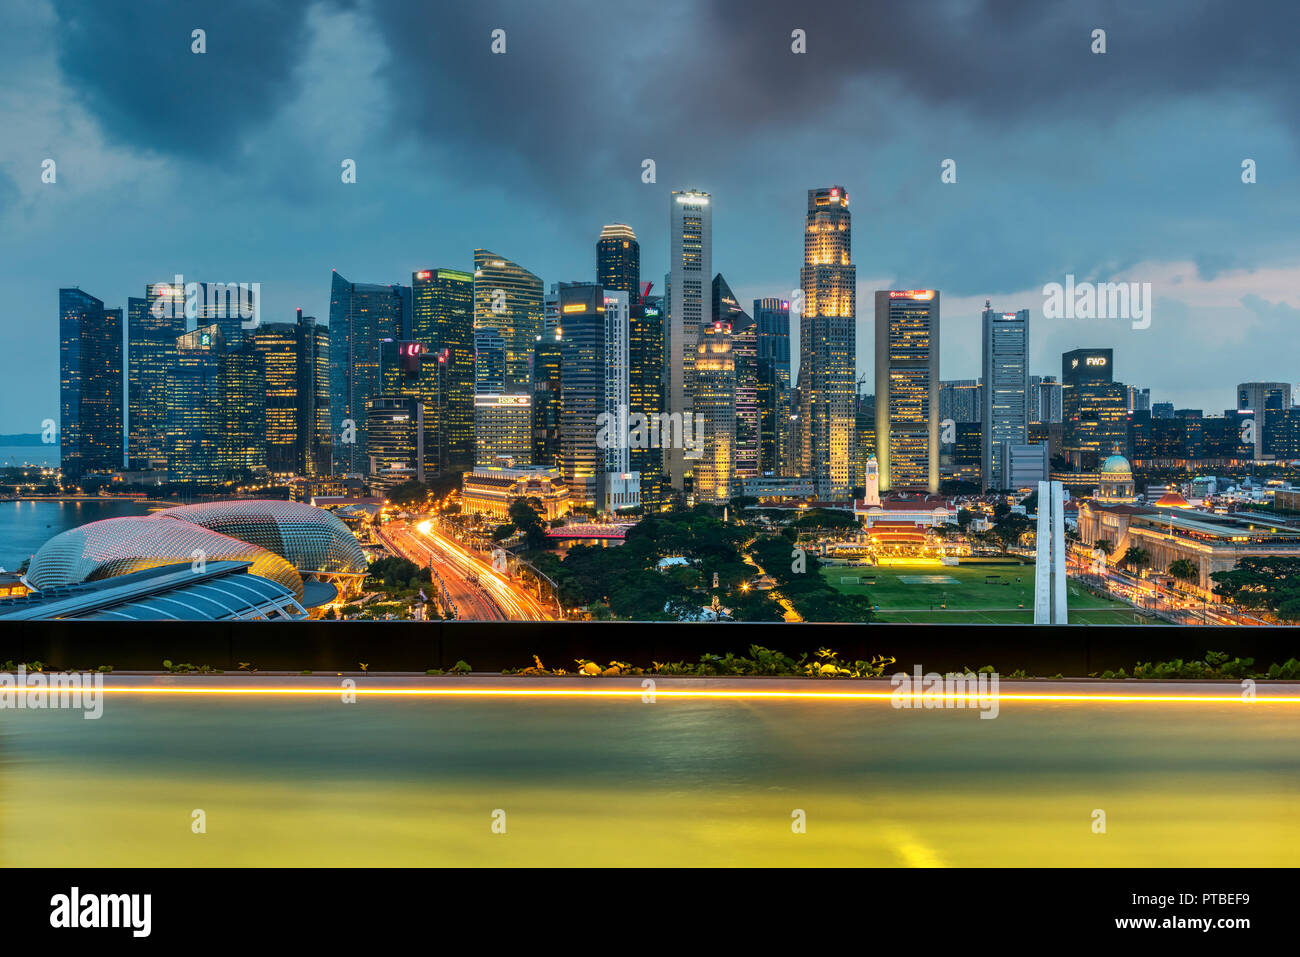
(1184, 570)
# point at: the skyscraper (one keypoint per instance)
(582, 389)
(907, 389)
(503, 421)
(960, 400)
(618, 261)
(618, 485)
(362, 316)
(744, 352)
(1094, 408)
(827, 343)
(243, 433)
(508, 298)
(1259, 398)
(90, 385)
(646, 389)
(295, 360)
(153, 325)
(1005, 414)
(689, 302)
(1045, 399)
(715, 410)
(197, 409)
(442, 323)
(772, 381)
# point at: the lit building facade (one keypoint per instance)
(362, 317)
(394, 440)
(827, 343)
(154, 323)
(744, 351)
(646, 390)
(196, 409)
(1094, 408)
(295, 363)
(442, 322)
(618, 261)
(907, 389)
(582, 389)
(689, 300)
(508, 298)
(715, 409)
(491, 490)
(1005, 412)
(90, 385)
(772, 382)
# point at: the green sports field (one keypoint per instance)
(987, 593)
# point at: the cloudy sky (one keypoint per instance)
(225, 166)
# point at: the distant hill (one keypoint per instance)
(22, 438)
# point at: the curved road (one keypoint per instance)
(472, 602)
(505, 592)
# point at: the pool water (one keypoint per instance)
(416, 782)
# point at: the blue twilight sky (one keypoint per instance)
(225, 166)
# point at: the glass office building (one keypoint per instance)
(90, 385)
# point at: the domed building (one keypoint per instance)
(314, 541)
(304, 549)
(1115, 485)
(121, 546)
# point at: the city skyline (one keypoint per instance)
(1220, 254)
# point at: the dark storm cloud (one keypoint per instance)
(592, 85)
(1012, 59)
(582, 81)
(132, 65)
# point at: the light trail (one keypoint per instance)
(718, 694)
(517, 603)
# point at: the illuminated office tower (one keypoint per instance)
(618, 485)
(960, 400)
(827, 346)
(1045, 399)
(582, 389)
(503, 423)
(244, 430)
(90, 385)
(547, 368)
(1005, 412)
(196, 409)
(508, 298)
(715, 410)
(744, 352)
(295, 360)
(153, 325)
(689, 302)
(1265, 401)
(618, 261)
(442, 322)
(395, 440)
(907, 389)
(646, 389)
(772, 381)
(229, 306)
(1094, 408)
(362, 316)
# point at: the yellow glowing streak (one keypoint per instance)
(709, 693)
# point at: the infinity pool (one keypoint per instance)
(294, 780)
